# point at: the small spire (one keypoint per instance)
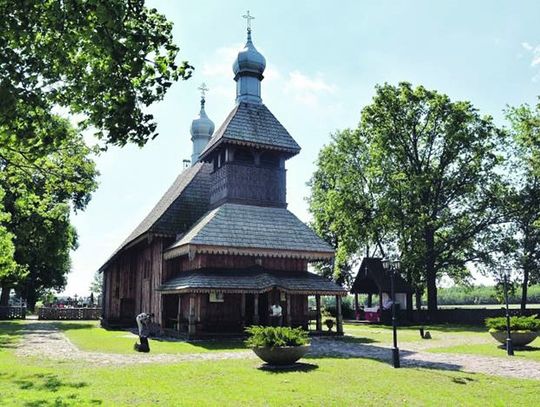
(203, 90)
(202, 128)
(248, 18)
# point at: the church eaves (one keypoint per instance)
(251, 230)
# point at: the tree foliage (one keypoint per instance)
(96, 286)
(39, 195)
(101, 61)
(523, 203)
(104, 59)
(416, 179)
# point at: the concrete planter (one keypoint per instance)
(519, 338)
(281, 355)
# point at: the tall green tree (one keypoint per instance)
(523, 203)
(102, 61)
(8, 267)
(416, 178)
(106, 60)
(39, 195)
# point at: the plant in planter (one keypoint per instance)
(523, 330)
(278, 345)
(329, 324)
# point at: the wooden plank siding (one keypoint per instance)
(131, 283)
(227, 261)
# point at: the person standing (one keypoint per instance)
(143, 321)
(276, 315)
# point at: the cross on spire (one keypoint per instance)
(203, 90)
(248, 18)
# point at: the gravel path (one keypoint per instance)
(43, 339)
(409, 357)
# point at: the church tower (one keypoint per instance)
(202, 128)
(249, 150)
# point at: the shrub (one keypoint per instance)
(516, 323)
(269, 336)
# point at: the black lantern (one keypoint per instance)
(509, 345)
(393, 267)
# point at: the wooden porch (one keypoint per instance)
(217, 314)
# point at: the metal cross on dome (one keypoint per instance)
(248, 18)
(203, 89)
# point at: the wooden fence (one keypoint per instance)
(69, 313)
(12, 312)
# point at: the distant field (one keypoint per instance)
(488, 306)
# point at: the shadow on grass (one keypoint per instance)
(295, 367)
(463, 380)
(525, 348)
(215, 344)
(49, 383)
(355, 339)
(357, 350)
(10, 332)
(68, 326)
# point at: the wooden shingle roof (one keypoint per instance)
(185, 201)
(252, 124)
(372, 278)
(251, 280)
(251, 230)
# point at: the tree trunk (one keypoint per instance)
(524, 287)
(31, 300)
(431, 273)
(4, 297)
(418, 299)
(431, 281)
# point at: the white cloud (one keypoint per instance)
(307, 90)
(534, 50)
(221, 61)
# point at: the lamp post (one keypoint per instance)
(392, 267)
(509, 345)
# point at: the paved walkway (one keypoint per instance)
(43, 339)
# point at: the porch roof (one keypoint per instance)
(251, 280)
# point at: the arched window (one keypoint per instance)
(270, 160)
(241, 155)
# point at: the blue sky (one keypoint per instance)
(323, 62)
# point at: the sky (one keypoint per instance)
(324, 60)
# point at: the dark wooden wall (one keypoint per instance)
(228, 261)
(248, 184)
(226, 316)
(131, 282)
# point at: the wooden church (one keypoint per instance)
(220, 247)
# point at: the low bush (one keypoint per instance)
(269, 336)
(530, 323)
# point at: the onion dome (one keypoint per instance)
(202, 128)
(249, 60)
(202, 125)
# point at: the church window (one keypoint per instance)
(269, 160)
(216, 297)
(243, 156)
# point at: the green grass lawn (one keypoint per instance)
(460, 335)
(383, 334)
(531, 352)
(32, 381)
(88, 336)
(340, 382)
